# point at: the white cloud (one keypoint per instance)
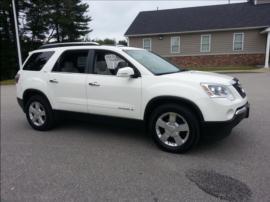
(111, 19)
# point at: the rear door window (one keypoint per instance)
(37, 61)
(72, 61)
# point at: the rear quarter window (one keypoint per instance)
(37, 61)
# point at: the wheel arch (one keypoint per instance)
(157, 101)
(31, 92)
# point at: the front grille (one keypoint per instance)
(239, 88)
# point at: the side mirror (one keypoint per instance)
(125, 72)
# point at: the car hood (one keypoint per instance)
(201, 77)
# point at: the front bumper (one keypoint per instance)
(224, 127)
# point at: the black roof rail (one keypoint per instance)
(55, 45)
(121, 45)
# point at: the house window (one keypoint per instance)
(175, 44)
(238, 41)
(205, 43)
(147, 43)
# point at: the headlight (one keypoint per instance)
(217, 91)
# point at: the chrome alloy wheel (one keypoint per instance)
(172, 129)
(37, 113)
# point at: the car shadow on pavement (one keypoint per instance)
(112, 127)
(104, 125)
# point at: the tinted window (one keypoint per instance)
(108, 63)
(37, 61)
(73, 61)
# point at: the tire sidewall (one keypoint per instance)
(192, 122)
(48, 111)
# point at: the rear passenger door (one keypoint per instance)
(67, 80)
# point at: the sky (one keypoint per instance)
(111, 19)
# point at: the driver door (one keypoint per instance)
(108, 94)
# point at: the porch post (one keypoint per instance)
(266, 64)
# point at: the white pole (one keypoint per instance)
(17, 34)
(266, 65)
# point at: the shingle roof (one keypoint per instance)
(200, 18)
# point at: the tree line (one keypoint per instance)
(39, 22)
(108, 41)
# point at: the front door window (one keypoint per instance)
(108, 63)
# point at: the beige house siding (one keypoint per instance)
(221, 43)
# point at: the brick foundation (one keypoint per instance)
(219, 60)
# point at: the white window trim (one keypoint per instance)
(210, 39)
(179, 43)
(150, 43)
(234, 34)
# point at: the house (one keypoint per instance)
(231, 34)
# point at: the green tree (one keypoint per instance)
(64, 20)
(37, 22)
(45, 20)
(106, 41)
(8, 56)
(122, 42)
(68, 20)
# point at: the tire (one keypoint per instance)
(39, 113)
(174, 128)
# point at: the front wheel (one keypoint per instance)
(174, 128)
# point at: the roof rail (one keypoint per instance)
(55, 45)
(120, 45)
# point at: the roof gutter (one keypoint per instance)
(196, 31)
(266, 30)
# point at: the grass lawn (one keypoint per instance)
(7, 82)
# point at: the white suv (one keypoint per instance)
(177, 105)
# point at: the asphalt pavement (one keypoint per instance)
(101, 160)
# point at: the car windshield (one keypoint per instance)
(154, 63)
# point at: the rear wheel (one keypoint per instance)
(39, 113)
(174, 128)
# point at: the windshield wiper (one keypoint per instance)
(185, 70)
(168, 72)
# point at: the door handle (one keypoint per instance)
(53, 81)
(94, 84)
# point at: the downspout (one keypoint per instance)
(266, 64)
(127, 41)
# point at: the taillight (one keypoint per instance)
(17, 77)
